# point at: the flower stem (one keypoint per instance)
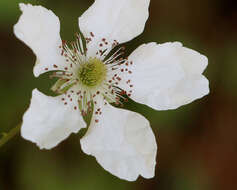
(6, 137)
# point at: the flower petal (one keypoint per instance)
(123, 143)
(166, 76)
(120, 20)
(48, 121)
(39, 28)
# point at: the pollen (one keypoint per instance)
(92, 73)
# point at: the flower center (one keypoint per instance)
(86, 82)
(92, 73)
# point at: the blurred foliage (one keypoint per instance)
(197, 143)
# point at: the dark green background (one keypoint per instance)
(197, 144)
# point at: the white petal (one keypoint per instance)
(166, 76)
(39, 28)
(48, 121)
(123, 143)
(120, 20)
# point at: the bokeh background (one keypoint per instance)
(197, 142)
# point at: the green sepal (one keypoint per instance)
(87, 118)
(57, 86)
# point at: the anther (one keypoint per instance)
(92, 35)
(118, 78)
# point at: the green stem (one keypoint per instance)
(10, 135)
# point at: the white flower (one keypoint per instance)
(163, 76)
